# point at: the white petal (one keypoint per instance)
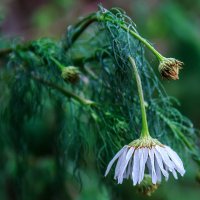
(136, 167)
(165, 157)
(175, 174)
(130, 152)
(143, 160)
(113, 160)
(120, 164)
(158, 172)
(176, 159)
(122, 170)
(167, 169)
(149, 165)
(153, 173)
(174, 156)
(129, 167)
(160, 163)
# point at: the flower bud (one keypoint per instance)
(70, 74)
(169, 68)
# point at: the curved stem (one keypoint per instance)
(144, 41)
(83, 24)
(136, 35)
(145, 129)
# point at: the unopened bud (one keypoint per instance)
(70, 74)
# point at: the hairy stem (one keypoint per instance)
(145, 129)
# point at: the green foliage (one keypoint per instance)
(41, 114)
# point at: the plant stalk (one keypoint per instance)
(145, 129)
(65, 92)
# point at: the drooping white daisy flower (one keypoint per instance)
(146, 154)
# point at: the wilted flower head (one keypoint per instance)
(146, 154)
(169, 68)
(70, 74)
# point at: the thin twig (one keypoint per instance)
(65, 92)
(23, 46)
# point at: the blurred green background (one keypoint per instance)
(174, 29)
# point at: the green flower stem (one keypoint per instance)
(94, 17)
(144, 41)
(60, 66)
(136, 35)
(65, 92)
(145, 129)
